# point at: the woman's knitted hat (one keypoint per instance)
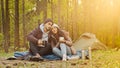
(55, 25)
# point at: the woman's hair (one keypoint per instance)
(58, 34)
(59, 31)
(54, 38)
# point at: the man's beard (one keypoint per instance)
(48, 29)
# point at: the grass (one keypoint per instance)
(100, 59)
(2, 54)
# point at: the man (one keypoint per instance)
(38, 39)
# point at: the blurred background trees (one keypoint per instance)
(19, 17)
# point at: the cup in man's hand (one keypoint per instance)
(43, 44)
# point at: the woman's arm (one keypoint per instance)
(57, 45)
(73, 50)
(68, 40)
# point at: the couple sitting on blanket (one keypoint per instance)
(47, 39)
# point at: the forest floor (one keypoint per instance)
(100, 59)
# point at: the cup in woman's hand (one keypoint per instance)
(61, 39)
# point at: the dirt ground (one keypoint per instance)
(44, 64)
(100, 59)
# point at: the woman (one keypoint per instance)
(61, 43)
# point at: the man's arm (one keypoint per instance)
(32, 36)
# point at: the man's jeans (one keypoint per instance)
(41, 50)
(64, 49)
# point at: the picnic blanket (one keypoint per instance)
(25, 55)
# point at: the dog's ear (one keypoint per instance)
(85, 36)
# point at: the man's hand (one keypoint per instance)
(41, 45)
(39, 42)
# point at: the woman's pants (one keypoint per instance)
(64, 49)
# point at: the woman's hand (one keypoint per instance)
(62, 41)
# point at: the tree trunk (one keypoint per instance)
(45, 9)
(74, 17)
(3, 24)
(24, 27)
(52, 9)
(2, 14)
(67, 27)
(84, 15)
(16, 39)
(6, 24)
(59, 13)
(0, 18)
(7, 35)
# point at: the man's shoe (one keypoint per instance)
(36, 58)
(12, 58)
(41, 59)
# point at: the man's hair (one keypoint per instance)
(48, 20)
